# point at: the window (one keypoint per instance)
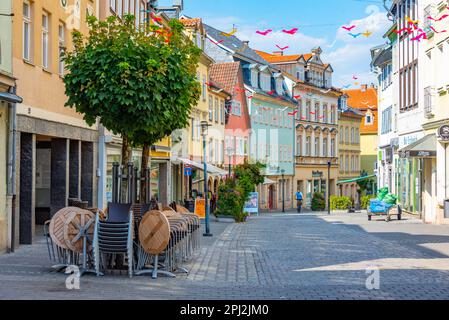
(308, 147)
(211, 108)
(352, 136)
(279, 87)
(369, 119)
(347, 163)
(45, 43)
(222, 111)
(333, 148)
(61, 36)
(299, 145)
(347, 135)
(125, 7)
(119, 8)
(325, 147)
(27, 32)
(386, 120)
(357, 135)
(317, 147)
(342, 140)
(204, 88)
(236, 108)
(217, 106)
(265, 81)
(308, 110)
(341, 163)
(254, 78)
(137, 9)
(324, 115)
(333, 115)
(112, 4)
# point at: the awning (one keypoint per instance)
(356, 179)
(268, 181)
(213, 170)
(423, 148)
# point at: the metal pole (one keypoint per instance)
(115, 174)
(148, 185)
(207, 234)
(283, 193)
(130, 182)
(230, 166)
(328, 188)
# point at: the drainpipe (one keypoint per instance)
(11, 182)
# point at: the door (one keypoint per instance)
(271, 197)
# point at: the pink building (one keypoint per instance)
(229, 76)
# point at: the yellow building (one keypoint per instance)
(364, 100)
(349, 152)
(188, 150)
(55, 149)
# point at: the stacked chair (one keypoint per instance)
(114, 236)
(183, 240)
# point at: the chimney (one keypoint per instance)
(364, 87)
(278, 53)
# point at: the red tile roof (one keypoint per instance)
(225, 75)
(364, 100)
(274, 58)
(194, 22)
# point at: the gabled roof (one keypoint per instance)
(225, 75)
(278, 59)
(364, 100)
(235, 45)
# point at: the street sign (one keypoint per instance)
(187, 171)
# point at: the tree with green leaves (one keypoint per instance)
(139, 83)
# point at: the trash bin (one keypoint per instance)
(446, 208)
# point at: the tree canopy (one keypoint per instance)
(139, 83)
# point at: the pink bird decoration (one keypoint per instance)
(282, 48)
(433, 29)
(349, 28)
(419, 37)
(264, 33)
(444, 16)
(292, 31)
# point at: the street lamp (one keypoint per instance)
(230, 152)
(328, 187)
(204, 127)
(283, 191)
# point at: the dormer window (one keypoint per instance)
(254, 78)
(369, 118)
(265, 81)
(279, 86)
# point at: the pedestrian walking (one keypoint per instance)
(299, 200)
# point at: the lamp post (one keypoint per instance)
(204, 127)
(328, 187)
(230, 152)
(283, 191)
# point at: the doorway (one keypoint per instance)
(271, 197)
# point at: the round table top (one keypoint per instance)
(154, 232)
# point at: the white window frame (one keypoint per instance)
(45, 40)
(61, 37)
(26, 37)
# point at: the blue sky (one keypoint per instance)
(319, 23)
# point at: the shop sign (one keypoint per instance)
(317, 174)
(443, 133)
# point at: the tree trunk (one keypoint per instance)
(145, 164)
(126, 157)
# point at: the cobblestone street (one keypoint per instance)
(274, 256)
